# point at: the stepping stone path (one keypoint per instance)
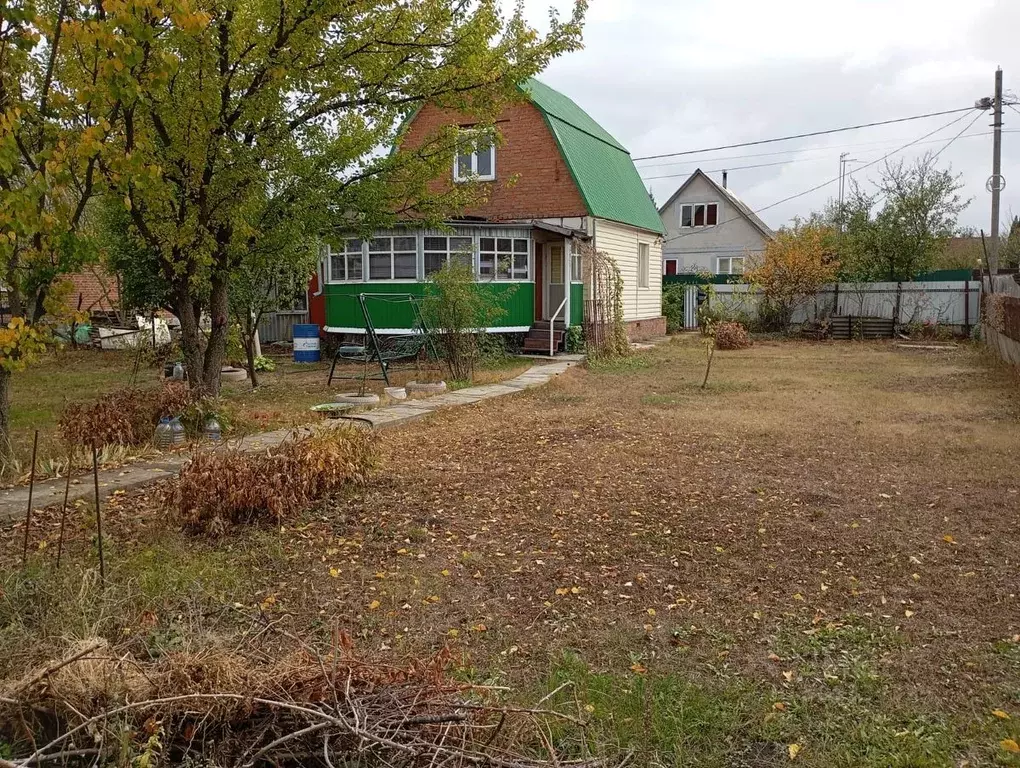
(49, 492)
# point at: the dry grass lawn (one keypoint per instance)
(818, 550)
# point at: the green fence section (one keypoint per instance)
(576, 303)
(343, 310)
(945, 276)
(694, 279)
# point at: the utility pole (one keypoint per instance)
(844, 160)
(996, 182)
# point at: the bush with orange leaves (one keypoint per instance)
(732, 336)
(222, 488)
(796, 263)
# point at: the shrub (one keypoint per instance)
(673, 306)
(218, 489)
(128, 417)
(573, 342)
(731, 336)
(265, 364)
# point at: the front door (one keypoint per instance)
(555, 282)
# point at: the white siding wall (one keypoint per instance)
(621, 242)
(699, 249)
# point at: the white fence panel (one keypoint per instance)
(951, 303)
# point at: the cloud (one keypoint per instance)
(668, 76)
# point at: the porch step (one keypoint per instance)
(537, 339)
(543, 325)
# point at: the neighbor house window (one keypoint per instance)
(393, 258)
(642, 265)
(669, 266)
(730, 265)
(476, 157)
(440, 251)
(503, 258)
(699, 214)
(345, 261)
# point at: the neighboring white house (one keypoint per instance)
(709, 229)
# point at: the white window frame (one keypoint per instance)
(693, 207)
(472, 136)
(367, 259)
(345, 278)
(643, 265)
(576, 263)
(514, 275)
(729, 265)
(448, 252)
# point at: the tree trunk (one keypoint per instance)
(249, 348)
(6, 446)
(187, 312)
(216, 349)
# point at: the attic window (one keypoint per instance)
(476, 157)
(699, 215)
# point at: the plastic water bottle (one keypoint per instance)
(164, 434)
(212, 429)
(177, 430)
(178, 372)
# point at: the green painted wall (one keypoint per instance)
(576, 303)
(344, 311)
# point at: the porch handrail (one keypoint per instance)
(552, 327)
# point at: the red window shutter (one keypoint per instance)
(713, 215)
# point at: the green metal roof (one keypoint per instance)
(602, 169)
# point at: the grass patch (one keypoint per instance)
(618, 365)
(673, 719)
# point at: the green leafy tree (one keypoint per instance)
(920, 206)
(52, 134)
(230, 97)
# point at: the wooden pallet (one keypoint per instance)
(845, 327)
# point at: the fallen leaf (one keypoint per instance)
(638, 669)
(334, 572)
(651, 611)
(779, 706)
(1002, 715)
(1009, 745)
(948, 539)
(793, 750)
(788, 675)
(908, 614)
(374, 605)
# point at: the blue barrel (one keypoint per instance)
(306, 343)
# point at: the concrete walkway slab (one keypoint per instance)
(14, 501)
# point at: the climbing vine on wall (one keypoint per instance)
(604, 330)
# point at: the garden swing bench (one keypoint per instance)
(392, 353)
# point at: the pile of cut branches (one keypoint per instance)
(97, 704)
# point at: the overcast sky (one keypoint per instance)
(674, 75)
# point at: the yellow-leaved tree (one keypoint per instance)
(795, 264)
(53, 130)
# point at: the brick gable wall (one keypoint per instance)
(97, 288)
(544, 187)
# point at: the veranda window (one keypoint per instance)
(345, 261)
(503, 258)
(393, 258)
(440, 251)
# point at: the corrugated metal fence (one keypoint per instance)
(279, 326)
(956, 302)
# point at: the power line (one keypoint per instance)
(831, 181)
(808, 159)
(799, 150)
(957, 136)
(805, 135)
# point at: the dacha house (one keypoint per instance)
(572, 183)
